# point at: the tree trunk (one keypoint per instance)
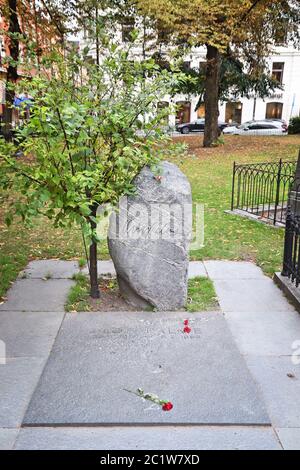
(12, 71)
(95, 293)
(211, 98)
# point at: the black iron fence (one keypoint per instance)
(291, 260)
(262, 189)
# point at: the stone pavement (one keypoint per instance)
(236, 378)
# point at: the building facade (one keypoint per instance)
(284, 64)
(283, 103)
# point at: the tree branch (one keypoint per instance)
(254, 4)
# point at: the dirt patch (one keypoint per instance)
(111, 300)
(238, 145)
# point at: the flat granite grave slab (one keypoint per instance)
(149, 438)
(97, 356)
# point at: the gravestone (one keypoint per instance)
(149, 239)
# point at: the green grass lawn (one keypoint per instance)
(201, 295)
(210, 174)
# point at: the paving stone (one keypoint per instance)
(230, 270)
(18, 379)
(251, 296)
(281, 392)
(289, 438)
(29, 334)
(56, 269)
(148, 438)
(197, 269)
(265, 333)
(35, 295)
(7, 438)
(104, 267)
(97, 356)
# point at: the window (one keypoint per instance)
(262, 126)
(186, 66)
(2, 50)
(274, 110)
(2, 93)
(163, 34)
(234, 112)
(127, 29)
(90, 59)
(277, 71)
(183, 112)
(201, 111)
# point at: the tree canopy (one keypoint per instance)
(249, 27)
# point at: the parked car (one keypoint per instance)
(263, 127)
(196, 126)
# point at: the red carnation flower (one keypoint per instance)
(168, 406)
(186, 322)
(187, 330)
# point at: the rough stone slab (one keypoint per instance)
(265, 333)
(151, 438)
(281, 393)
(232, 270)
(29, 334)
(148, 239)
(33, 295)
(56, 269)
(104, 268)
(7, 438)
(97, 356)
(289, 438)
(197, 269)
(18, 379)
(251, 295)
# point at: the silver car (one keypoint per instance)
(263, 127)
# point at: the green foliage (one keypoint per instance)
(201, 295)
(294, 127)
(226, 237)
(236, 80)
(87, 137)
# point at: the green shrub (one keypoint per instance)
(294, 127)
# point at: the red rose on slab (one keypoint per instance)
(165, 404)
(168, 406)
